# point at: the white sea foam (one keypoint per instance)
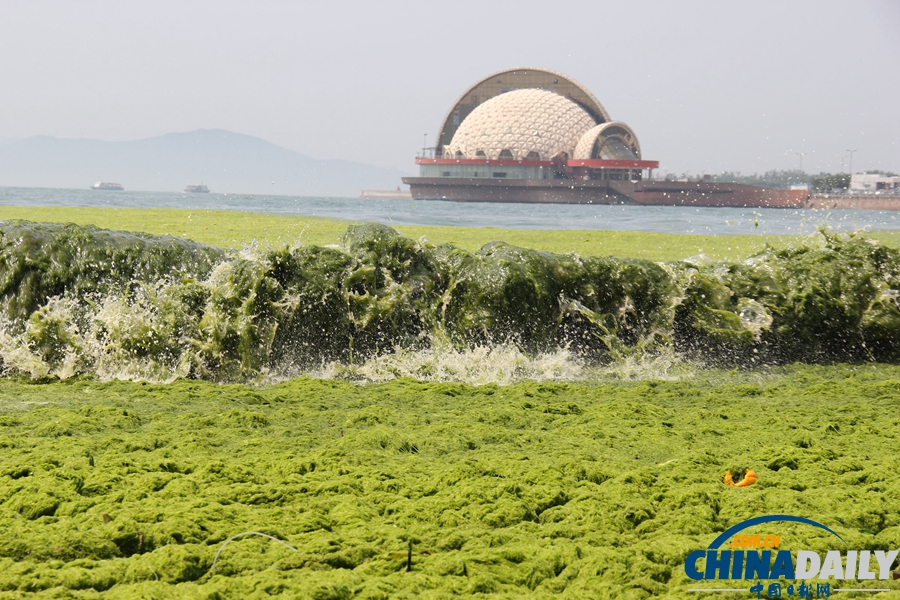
(502, 365)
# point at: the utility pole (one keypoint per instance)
(842, 164)
(851, 161)
(800, 154)
(425, 146)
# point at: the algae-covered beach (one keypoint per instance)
(405, 418)
(128, 490)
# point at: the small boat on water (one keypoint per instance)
(397, 194)
(107, 185)
(197, 189)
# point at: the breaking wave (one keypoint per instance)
(380, 306)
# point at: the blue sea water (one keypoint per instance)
(663, 219)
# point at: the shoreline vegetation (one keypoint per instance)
(430, 489)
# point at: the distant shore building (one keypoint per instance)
(535, 135)
(874, 183)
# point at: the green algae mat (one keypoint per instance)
(429, 490)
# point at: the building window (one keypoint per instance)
(476, 173)
(499, 174)
(507, 154)
(446, 173)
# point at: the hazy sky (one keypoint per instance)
(707, 86)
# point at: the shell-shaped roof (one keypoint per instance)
(521, 122)
(597, 134)
(518, 78)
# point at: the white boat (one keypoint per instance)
(397, 194)
(197, 189)
(107, 185)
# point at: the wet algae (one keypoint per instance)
(83, 300)
(424, 489)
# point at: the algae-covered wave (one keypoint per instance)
(80, 299)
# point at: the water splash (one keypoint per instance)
(503, 365)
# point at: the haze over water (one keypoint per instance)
(661, 219)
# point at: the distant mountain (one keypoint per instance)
(226, 162)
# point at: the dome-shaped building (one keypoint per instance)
(525, 125)
(535, 135)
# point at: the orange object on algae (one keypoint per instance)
(741, 478)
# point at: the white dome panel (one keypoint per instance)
(521, 122)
